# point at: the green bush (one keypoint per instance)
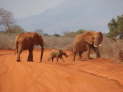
(115, 26)
(57, 35)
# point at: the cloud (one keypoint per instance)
(25, 8)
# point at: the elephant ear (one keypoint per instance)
(100, 36)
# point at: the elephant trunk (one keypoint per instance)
(42, 51)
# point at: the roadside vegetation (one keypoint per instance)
(112, 43)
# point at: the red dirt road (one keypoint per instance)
(97, 75)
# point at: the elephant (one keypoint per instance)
(87, 41)
(58, 55)
(26, 41)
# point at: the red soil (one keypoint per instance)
(97, 75)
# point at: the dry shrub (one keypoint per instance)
(57, 42)
(121, 55)
(111, 48)
(7, 41)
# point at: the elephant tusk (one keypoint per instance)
(95, 45)
(100, 44)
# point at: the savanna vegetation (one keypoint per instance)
(116, 27)
(9, 29)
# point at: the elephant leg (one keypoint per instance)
(52, 59)
(57, 59)
(88, 53)
(80, 55)
(97, 52)
(30, 56)
(62, 59)
(49, 59)
(19, 53)
(74, 56)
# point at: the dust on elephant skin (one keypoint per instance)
(26, 41)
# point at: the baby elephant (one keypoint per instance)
(58, 55)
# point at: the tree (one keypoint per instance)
(57, 35)
(120, 24)
(80, 31)
(40, 31)
(16, 29)
(6, 19)
(115, 26)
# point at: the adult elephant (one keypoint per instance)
(87, 41)
(26, 41)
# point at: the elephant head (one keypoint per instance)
(98, 37)
(93, 38)
(38, 40)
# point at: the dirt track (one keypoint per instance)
(97, 75)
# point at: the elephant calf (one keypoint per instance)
(58, 55)
(26, 41)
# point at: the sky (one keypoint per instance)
(64, 14)
(26, 8)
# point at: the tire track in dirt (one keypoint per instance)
(49, 77)
(103, 77)
(93, 74)
(7, 54)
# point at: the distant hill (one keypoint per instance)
(73, 15)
